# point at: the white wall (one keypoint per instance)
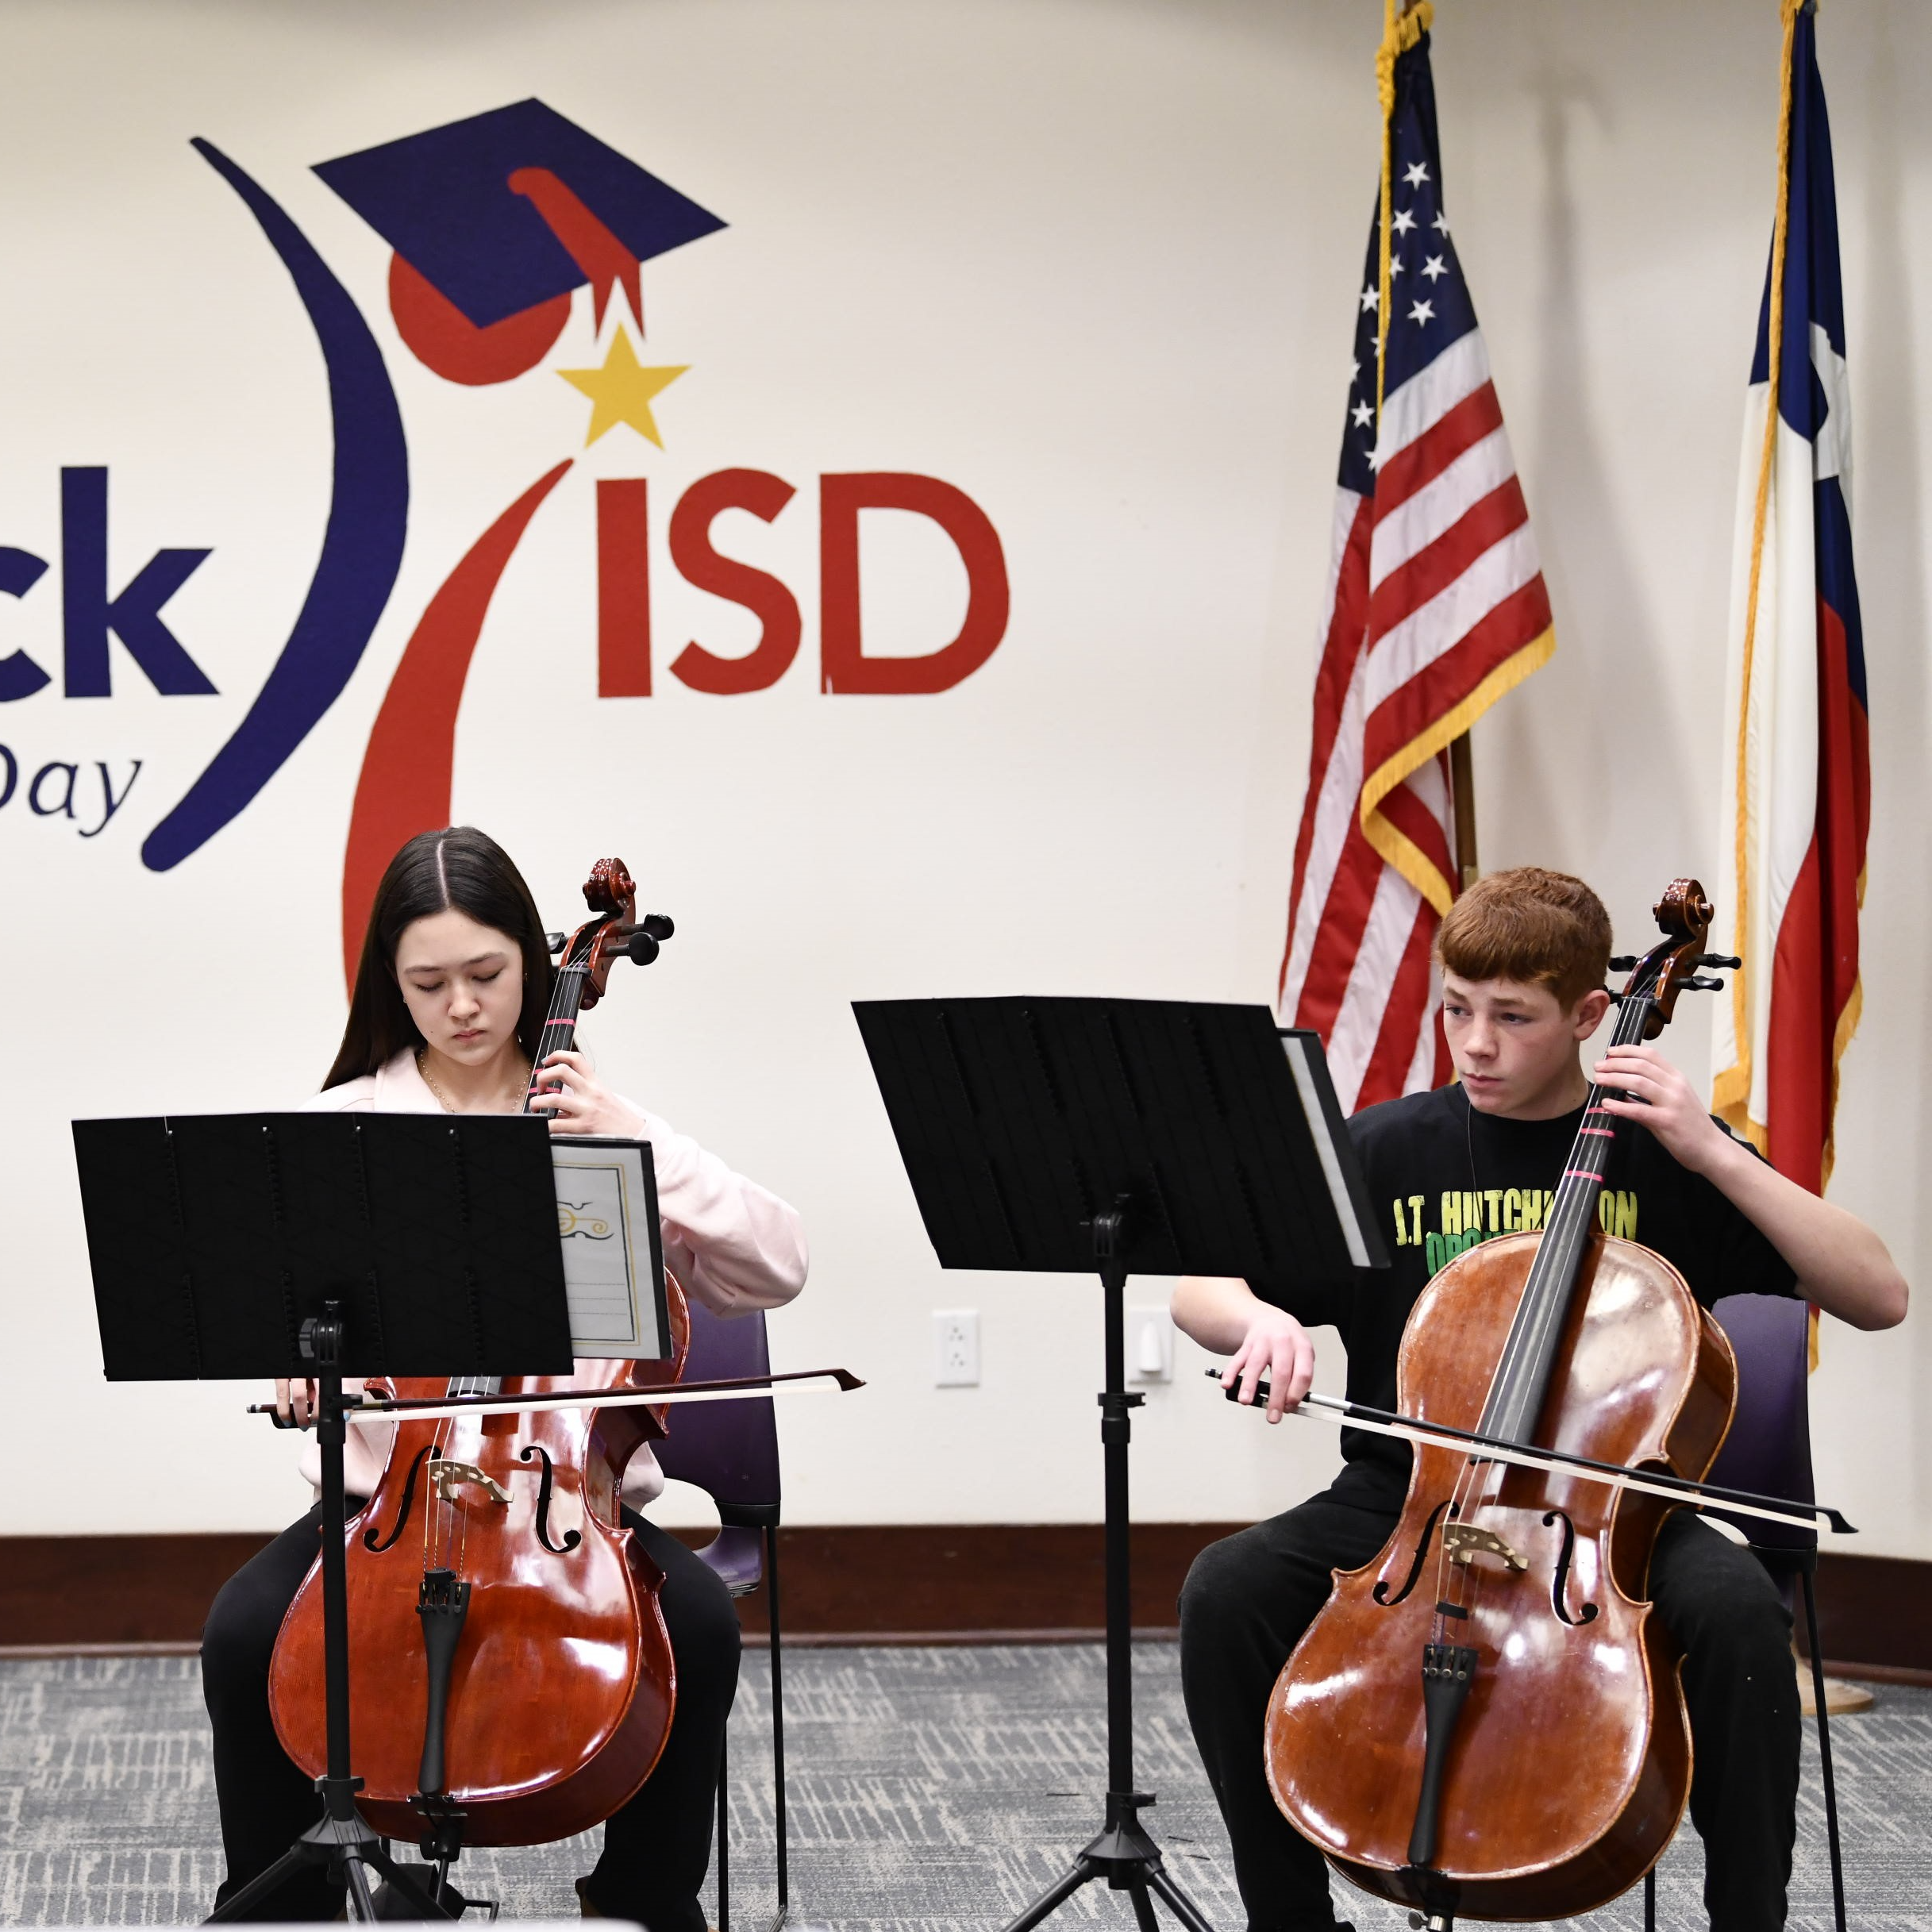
(1093, 263)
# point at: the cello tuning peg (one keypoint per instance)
(643, 941)
(1624, 962)
(553, 943)
(1719, 959)
(1699, 983)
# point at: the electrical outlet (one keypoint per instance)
(955, 1348)
(1150, 1345)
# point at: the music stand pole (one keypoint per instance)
(1123, 1856)
(342, 1838)
(1116, 1433)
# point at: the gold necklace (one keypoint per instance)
(514, 1091)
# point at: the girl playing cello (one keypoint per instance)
(448, 1006)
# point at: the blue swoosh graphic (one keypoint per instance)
(362, 546)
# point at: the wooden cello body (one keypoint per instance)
(1570, 1762)
(1487, 1719)
(561, 1690)
(512, 1678)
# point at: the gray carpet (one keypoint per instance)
(930, 1788)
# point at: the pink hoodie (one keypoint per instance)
(734, 1246)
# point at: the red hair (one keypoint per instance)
(1537, 927)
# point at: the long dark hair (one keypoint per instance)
(458, 867)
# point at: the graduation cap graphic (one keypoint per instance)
(495, 220)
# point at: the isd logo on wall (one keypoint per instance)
(495, 222)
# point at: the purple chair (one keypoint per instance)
(729, 1449)
(1769, 1450)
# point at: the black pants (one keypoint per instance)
(1248, 1600)
(656, 1849)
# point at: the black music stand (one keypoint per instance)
(320, 1245)
(1142, 1137)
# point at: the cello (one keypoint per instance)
(517, 1683)
(1486, 1719)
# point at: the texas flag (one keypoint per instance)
(1797, 784)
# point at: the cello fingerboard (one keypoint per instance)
(1529, 1357)
(559, 1034)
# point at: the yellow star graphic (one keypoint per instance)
(621, 391)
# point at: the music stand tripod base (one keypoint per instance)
(1124, 1857)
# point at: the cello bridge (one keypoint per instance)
(446, 1475)
(1465, 1542)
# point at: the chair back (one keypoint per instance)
(1769, 1446)
(728, 1450)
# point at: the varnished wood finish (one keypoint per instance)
(1571, 1762)
(1874, 1617)
(563, 1687)
(114, 1593)
(849, 1584)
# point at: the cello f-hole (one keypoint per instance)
(402, 1514)
(1380, 1592)
(1560, 1581)
(572, 1538)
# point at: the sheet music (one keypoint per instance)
(1296, 1045)
(606, 1212)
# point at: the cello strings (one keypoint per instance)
(446, 1519)
(445, 1525)
(446, 1530)
(559, 1034)
(565, 997)
(1534, 1330)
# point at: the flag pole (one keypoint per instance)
(1462, 797)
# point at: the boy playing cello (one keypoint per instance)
(1524, 955)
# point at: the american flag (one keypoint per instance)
(1435, 608)
(1798, 788)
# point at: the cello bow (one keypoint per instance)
(1533, 1455)
(735, 1388)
